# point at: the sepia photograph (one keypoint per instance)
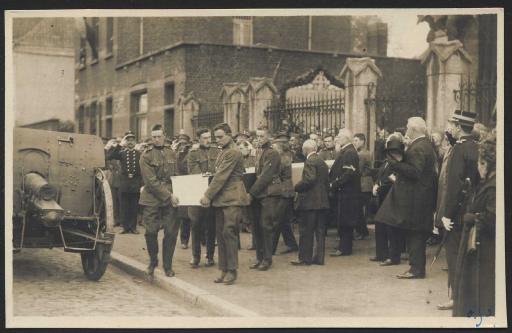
(254, 168)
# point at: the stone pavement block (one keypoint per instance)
(345, 286)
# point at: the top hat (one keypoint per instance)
(463, 118)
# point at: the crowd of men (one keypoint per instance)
(415, 186)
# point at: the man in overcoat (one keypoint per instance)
(461, 163)
(411, 201)
(311, 205)
(226, 193)
(266, 191)
(345, 184)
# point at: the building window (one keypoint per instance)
(81, 119)
(242, 30)
(108, 117)
(95, 36)
(109, 47)
(139, 110)
(93, 129)
(83, 52)
(100, 118)
(169, 109)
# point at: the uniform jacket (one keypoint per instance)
(202, 160)
(313, 187)
(226, 187)
(411, 201)
(285, 173)
(345, 182)
(249, 161)
(268, 167)
(365, 165)
(327, 154)
(181, 155)
(130, 179)
(462, 164)
(157, 166)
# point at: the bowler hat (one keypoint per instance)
(394, 144)
(463, 117)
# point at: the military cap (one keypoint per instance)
(244, 133)
(129, 134)
(282, 137)
(463, 118)
(184, 136)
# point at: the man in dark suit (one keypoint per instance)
(201, 160)
(410, 203)
(130, 181)
(328, 152)
(461, 163)
(345, 184)
(311, 205)
(226, 193)
(267, 193)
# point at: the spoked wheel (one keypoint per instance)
(95, 262)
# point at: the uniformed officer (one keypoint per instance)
(226, 193)
(461, 163)
(328, 153)
(266, 191)
(201, 160)
(157, 166)
(182, 150)
(130, 181)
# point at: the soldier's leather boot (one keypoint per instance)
(230, 277)
(194, 263)
(151, 269)
(169, 272)
(209, 262)
(220, 279)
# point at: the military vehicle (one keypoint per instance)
(62, 197)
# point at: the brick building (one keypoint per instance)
(177, 70)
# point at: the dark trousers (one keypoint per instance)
(346, 234)
(227, 221)
(115, 203)
(266, 222)
(397, 242)
(361, 227)
(129, 208)
(417, 246)
(184, 230)
(452, 249)
(154, 218)
(381, 241)
(249, 213)
(284, 227)
(202, 222)
(312, 227)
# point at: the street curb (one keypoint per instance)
(190, 293)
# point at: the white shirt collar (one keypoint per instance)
(313, 152)
(346, 145)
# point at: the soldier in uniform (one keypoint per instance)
(266, 192)
(242, 136)
(157, 166)
(461, 163)
(226, 193)
(130, 181)
(285, 205)
(201, 160)
(328, 152)
(182, 150)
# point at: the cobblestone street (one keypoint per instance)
(52, 283)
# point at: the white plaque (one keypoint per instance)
(189, 189)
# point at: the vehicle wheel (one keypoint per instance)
(95, 262)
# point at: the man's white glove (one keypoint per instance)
(435, 231)
(375, 189)
(123, 142)
(174, 200)
(392, 177)
(447, 223)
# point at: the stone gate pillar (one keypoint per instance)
(188, 107)
(359, 74)
(447, 65)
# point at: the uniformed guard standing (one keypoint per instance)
(328, 153)
(201, 160)
(461, 164)
(182, 150)
(157, 166)
(130, 181)
(226, 193)
(267, 193)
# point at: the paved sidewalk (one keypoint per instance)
(345, 286)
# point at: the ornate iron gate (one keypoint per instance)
(301, 115)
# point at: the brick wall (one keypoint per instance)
(331, 33)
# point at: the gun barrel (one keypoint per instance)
(42, 199)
